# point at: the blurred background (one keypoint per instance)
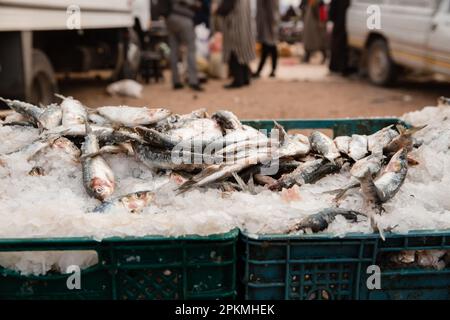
(330, 62)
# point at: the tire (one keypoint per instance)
(133, 53)
(380, 66)
(43, 80)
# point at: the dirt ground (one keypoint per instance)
(299, 91)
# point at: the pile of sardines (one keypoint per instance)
(218, 151)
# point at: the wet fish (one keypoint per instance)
(46, 118)
(393, 176)
(98, 119)
(68, 147)
(320, 221)
(125, 148)
(227, 120)
(370, 165)
(32, 149)
(133, 116)
(51, 117)
(358, 147)
(165, 159)
(28, 110)
(403, 141)
(79, 130)
(98, 178)
(308, 172)
(218, 172)
(133, 203)
(343, 144)
(37, 172)
(324, 145)
(380, 139)
(73, 112)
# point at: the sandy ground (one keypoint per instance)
(299, 91)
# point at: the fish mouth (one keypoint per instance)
(137, 202)
(102, 189)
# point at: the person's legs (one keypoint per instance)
(307, 56)
(188, 37)
(274, 54)
(262, 62)
(174, 49)
(235, 72)
(246, 74)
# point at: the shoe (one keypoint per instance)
(178, 86)
(232, 86)
(256, 75)
(196, 87)
(272, 74)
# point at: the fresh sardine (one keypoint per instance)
(133, 116)
(133, 202)
(320, 221)
(98, 178)
(324, 145)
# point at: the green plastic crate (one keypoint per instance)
(323, 267)
(190, 267)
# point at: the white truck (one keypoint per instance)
(40, 38)
(411, 35)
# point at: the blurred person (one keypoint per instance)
(238, 40)
(314, 32)
(180, 25)
(339, 44)
(267, 25)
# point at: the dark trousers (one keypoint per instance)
(268, 49)
(239, 72)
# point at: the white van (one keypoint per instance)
(414, 34)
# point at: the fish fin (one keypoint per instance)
(87, 126)
(239, 181)
(7, 102)
(413, 130)
(282, 132)
(60, 96)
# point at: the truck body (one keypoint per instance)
(39, 39)
(413, 34)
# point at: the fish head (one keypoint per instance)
(136, 202)
(101, 188)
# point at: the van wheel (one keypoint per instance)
(380, 66)
(43, 80)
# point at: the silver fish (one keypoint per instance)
(67, 147)
(320, 221)
(133, 202)
(166, 160)
(98, 178)
(308, 172)
(133, 116)
(343, 144)
(370, 165)
(393, 176)
(28, 110)
(324, 145)
(51, 117)
(227, 120)
(218, 172)
(358, 147)
(73, 112)
(380, 139)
